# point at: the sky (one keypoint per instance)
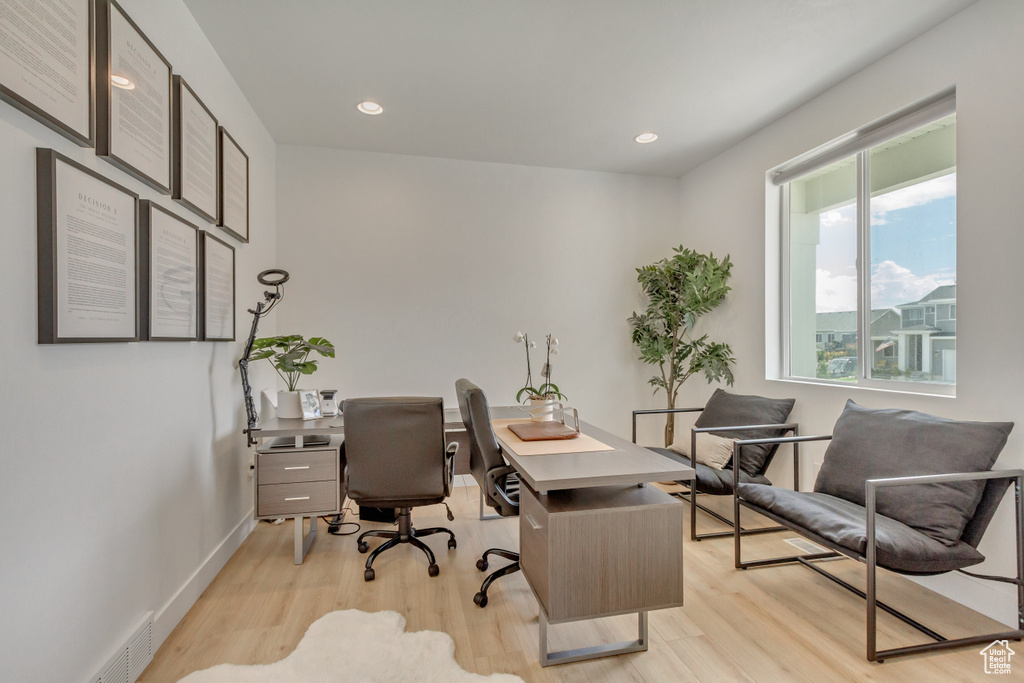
(913, 247)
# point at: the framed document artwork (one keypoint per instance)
(217, 287)
(46, 67)
(133, 99)
(169, 275)
(194, 182)
(87, 228)
(234, 188)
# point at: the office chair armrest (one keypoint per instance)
(500, 474)
(661, 411)
(449, 466)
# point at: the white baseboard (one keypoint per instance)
(995, 600)
(176, 608)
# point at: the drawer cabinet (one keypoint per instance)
(601, 551)
(298, 482)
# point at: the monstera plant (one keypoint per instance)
(679, 290)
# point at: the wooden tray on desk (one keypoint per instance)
(542, 431)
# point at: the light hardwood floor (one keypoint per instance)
(770, 624)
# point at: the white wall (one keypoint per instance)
(722, 207)
(421, 270)
(123, 473)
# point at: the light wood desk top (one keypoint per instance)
(626, 464)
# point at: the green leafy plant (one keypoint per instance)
(679, 290)
(547, 389)
(289, 355)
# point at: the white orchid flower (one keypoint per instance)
(554, 352)
(533, 345)
(554, 341)
(518, 337)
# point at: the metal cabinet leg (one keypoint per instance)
(595, 651)
(302, 544)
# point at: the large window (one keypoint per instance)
(869, 254)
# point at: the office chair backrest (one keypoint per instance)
(395, 450)
(484, 451)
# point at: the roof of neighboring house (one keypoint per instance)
(846, 321)
(885, 323)
(942, 292)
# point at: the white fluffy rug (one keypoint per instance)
(351, 646)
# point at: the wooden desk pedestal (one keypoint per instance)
(601, 551)
(298, 482)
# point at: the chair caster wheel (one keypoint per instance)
(452, 544)
(362, 547)
(480, 599)
(482, 566)
(368, 575)
(433, 570)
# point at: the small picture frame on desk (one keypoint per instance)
(310, 401)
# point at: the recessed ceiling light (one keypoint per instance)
(371, 108)
(122, 82)
(644, 138)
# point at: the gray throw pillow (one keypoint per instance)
(732, 410)
(876, 444)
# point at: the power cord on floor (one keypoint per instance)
(336, 523)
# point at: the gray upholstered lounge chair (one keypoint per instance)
(731, 416)
(902, 490)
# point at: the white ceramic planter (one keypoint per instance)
(288, 404)
(540, 405)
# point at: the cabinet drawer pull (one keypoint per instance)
(304, 467)
(298, 498)
(532, 523)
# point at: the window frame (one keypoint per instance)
(909, 118)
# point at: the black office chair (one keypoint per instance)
(396, 458)
(499, 484)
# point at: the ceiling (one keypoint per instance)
(559, 83)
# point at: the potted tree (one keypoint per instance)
(289, 354)
(679, 290)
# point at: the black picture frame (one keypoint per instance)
(175, 293)
(181, 153)
(52, 279)
(107, 139)
(39, 110)
(229, 185)
(208, 243)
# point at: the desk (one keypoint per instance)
(596, 541)
(300, 482)
(295, 481)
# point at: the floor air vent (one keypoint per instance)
(132, 658)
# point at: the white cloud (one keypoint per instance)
(914, 195)
(892, 284)
(834, 293)
(832, 218)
